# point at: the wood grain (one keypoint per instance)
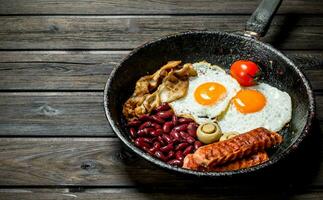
(89, 70)
(54, 114)
(127, 32)
(62, 114)
(136, 194)
(150, 7)
(103, 162)
(57, 70)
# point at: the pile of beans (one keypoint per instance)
(164, 135)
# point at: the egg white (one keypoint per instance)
(276, 113)
(206, 73)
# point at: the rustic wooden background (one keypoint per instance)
(55, 57)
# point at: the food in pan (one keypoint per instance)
(209, 93)
(261, 105)
(245, 72)
(164, 135)
(249, 161)
(235, 148)
(169, 83)
(209, 132)
(217, 121)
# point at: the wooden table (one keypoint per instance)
(55, 58)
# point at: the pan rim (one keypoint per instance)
(304, 133)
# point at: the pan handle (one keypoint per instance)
(259, 22)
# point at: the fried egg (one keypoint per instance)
(208, 94)
(257, 106)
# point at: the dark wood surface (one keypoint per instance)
(55, 57)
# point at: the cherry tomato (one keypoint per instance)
(245, 72)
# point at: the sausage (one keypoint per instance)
(250, 161)
(237, 147)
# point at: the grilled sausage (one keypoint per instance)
(238, 147)
(250, 161)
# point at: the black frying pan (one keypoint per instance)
(222, 49)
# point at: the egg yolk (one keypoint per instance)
(249, 101)
(209, 93)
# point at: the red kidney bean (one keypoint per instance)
(192, 132)
(179, 155)
(183, 135)
(156, 132)
(141, 132)
(167, 127)
(197, 144)
(174, 120)
(190, 139)
(161, 140)
(144, 125)
(156, 126)
(175, 162)
(158, 119)
(157, 145)
(170, 155)
(152, 150)
(175, 135)
(192, 125)
(148, 140)
(144, 118)
(133, 132)
(134, 123)
(182, 127)
(145, 149)
(160, 155)
(183, 120)
(187, 150)
(165, 114)
(167, 148)
(181, 146)
(163, 107)
(145, 131)
(141, 143)
(167, 138)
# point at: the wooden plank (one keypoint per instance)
(54, 114)
(89, 70)
(62, 114)
(103, 162)
(57, 70)
(126, 32)
(121, 193)
(150, 7)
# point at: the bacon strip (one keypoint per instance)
(238, 147)
(250, 161)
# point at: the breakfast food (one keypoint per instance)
(245, 72)
(164, 135)
(228, 135)
(209, 132)
(254, 159)
(168, 83)
(237, 147)
(261, 105)
(199, 117)
(209, 93)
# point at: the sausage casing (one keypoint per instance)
(249, 161)
(238, 147)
